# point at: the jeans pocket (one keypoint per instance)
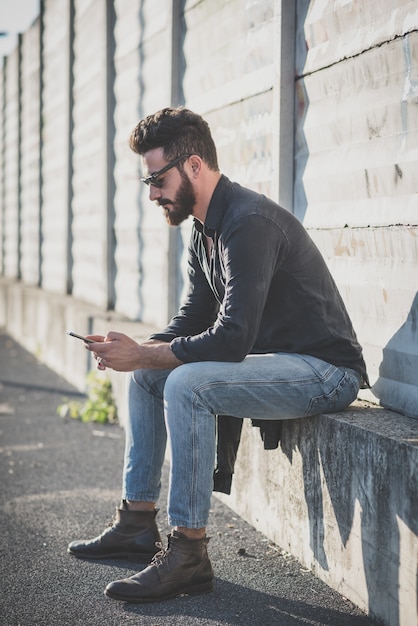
(338, 398)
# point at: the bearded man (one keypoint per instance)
(263, 333)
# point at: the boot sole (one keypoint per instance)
(146, 558)
(187, 591)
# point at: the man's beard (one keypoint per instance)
(183, 204)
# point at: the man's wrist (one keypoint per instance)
(156, 354)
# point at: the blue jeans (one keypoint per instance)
(183, 403)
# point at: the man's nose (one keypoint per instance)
(154, 193)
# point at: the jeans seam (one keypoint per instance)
(253, 383)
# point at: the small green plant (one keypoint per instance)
(99, 407)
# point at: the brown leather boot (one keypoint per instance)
(183, 568)
(132, 536)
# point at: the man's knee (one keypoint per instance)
(181, 377)
(149, 380)
(183, 381)
(137, 376)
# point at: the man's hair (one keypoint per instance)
(178, 131)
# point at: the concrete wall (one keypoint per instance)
(56, 154)
(90, 137)
(357, 176)
(143, 42)
(31, 162)
(76, 221)
(341, 495)
(314, 103)
(11, 193)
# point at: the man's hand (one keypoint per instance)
(123, 354)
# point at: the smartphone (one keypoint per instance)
(81, 337)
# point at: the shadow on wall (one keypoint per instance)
(378, 482)
(368, 484)
(397, 385)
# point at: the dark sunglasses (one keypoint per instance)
(153, 178)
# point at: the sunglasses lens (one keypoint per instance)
(150, 181)
(157, 182)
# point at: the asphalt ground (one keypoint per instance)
(60, 480)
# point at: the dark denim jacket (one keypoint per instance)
(266, 288)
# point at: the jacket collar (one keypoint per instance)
(217, 208)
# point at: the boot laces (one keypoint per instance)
(159, 557)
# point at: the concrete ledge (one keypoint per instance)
(340, 493)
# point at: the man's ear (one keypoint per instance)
(195, 163)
